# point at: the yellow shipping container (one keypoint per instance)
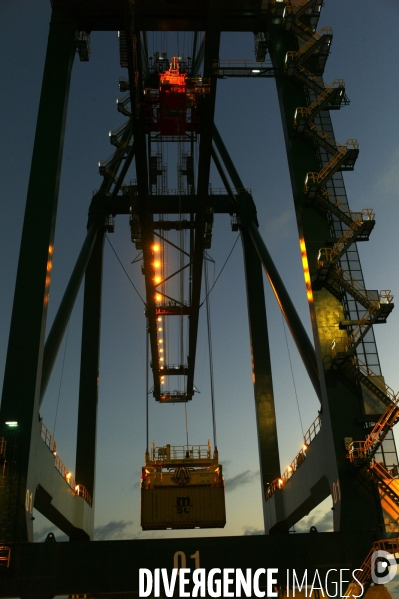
(182, 507)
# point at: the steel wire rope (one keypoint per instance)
(203, 363)
(292, 374)
(297, 401)
(225, 262)
(181, 278)
(113, 249)
(138, 326)
(62, 374)
(124, 270)
(209, 329)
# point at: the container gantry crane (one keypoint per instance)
(344, 448)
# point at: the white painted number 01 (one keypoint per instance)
(29, 501)
(180, 561)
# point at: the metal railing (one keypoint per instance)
(383, 297)
(365, 449)
(316, 36)
(344, 344)
(345, 213)
(363, 574)
(376, 379)
(48, 438)
(119, 153)
(5, 555)
(245, 64)
(296, 462)
(172, 304)
(276, 484)
(312, 431)
(117, 132)
(65, 473)
(349, 236)
(174, 395)
(351, 144)
(211, 191)
(315, 106)
(243, 68)
(83, 492)
(317, 178)
(178, 452)
(309, 436)
(60, 466)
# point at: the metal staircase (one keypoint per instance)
(317, 85)
(354, 231)
(363, 574)
(292, 13)
(122, 105)
(343, 159)
(384, 480)
(329, 95)
(356, 370)
(312, 45)
(312, 122)
(315, 42)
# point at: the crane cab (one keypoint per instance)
(182, 487)
(175, 107)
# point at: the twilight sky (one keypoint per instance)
(364, 55)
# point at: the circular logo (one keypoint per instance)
(383, 567)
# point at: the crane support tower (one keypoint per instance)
(343, 451)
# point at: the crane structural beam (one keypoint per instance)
(180, 108)
(114, 566)
(56, 334)
(22, 376)
(211, 53)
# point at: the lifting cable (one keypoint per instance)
(147, 333)
(62, 373)
(227, 259)
(292, 374)
(208, 320)
(181, 276)
(124, 270)
(296, 395)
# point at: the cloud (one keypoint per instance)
(115, 529)
(251, 530)
(244, 478)
(322, 521)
